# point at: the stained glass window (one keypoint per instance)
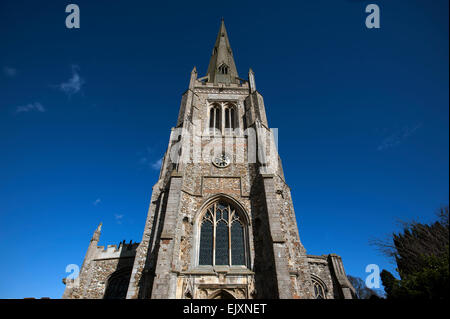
(237, 244)
(222, 244)
(206, 243)
(222, 234)
(221, 206)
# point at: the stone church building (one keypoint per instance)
(221, 221)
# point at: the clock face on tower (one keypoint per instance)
(222, 161)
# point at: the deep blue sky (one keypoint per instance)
(84, 114)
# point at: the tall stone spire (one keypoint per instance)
(222, 68)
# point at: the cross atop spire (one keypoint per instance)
(222, 68)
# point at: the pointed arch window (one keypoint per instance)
(223, 69)
(222, 236)
(215, 119)
(230, 116)
(319, 289)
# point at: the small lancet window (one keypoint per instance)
(223, 69)
(227, 118)
(206, 240)
(230, 117)
(215, 119)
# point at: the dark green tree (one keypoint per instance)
(390, 283)
(421, 252)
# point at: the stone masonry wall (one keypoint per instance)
(95, 272)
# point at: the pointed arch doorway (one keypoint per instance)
(222, 294)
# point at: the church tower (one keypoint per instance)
(221, 221)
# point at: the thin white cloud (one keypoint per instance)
(147, 159)
(9, 71)
(74, 84)
(30, 107)
(157, 165)
(398, 137)
(118, 218)
(97, 201)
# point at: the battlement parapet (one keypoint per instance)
(124, 250)
(203, 84)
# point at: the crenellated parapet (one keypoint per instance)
(124, 250)
(203, 84)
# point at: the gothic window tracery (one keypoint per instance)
(223, 117)
(222, 236)
(319, 289)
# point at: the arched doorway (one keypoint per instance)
(117, 284)
(222, 294)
